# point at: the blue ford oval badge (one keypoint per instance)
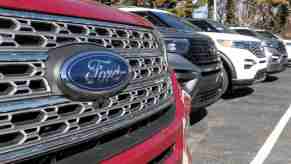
(95, 72)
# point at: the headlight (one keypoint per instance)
(270, 44)
(226, 43)
(180, 46)
(236, 44)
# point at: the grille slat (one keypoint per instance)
(19, 79)
(256, 48)
(202, 52)
(206, 95)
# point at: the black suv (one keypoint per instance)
(181, 40)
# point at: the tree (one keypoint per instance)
(272, 15)
(188, 8)
(210, 4)
(230, 12)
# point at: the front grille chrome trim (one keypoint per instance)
(140, 100)
(11, 56)
(43, 121)
(58, 18)
(63, 30)
(31, 103)
(76, 137)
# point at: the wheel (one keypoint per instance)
(225, 82)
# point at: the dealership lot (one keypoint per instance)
(233, 130)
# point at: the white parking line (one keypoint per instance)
(266, 149)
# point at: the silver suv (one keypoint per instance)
(274, 49)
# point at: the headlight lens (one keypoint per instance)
(247, 45)
(225, 43)
(235, 44)
(180, 46)
(271, 44)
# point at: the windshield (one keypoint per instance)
(267, 35)
(210, 26)
(194, 27)
(174, 22)
(221, 28)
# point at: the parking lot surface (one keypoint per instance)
(233, 130)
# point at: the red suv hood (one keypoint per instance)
(76, 8)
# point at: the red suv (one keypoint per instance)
(85, 83)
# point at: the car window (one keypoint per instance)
(152, 18)
(194, 27)
(220, 27)
(203, 25)
(174, 21)
(245, 32)
(267, 34)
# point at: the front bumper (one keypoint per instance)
(241, 58)
(260, 76)
(165, 147)
(289, 53)
(276, 68)
(276, 62)
(210, 91)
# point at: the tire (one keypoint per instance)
(225, 82)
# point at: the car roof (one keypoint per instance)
(199, 19)
(136, 9)
(261, 30)
(241, 28)
(86, 9)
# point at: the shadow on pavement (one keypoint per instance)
(238, 93)
(197, 116)
(270, 79)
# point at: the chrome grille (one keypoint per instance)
(33, 118)
(203, 52)
(21, 79)
(149, 67)
(25, 34)
(256, 48)
(33, 125)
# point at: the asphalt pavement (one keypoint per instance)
(235, 129)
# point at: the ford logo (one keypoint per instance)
(95, 72)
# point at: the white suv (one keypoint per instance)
(288, 48)
(274, 48)
(243, 57)
(287, 42)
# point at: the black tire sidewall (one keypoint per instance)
(225, 81)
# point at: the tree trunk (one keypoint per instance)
(230, 12)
